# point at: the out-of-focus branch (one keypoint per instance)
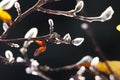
(97, 48)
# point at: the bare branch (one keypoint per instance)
(45, 37)
(26, 13)
(72, 14)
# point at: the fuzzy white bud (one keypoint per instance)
(85, 59)
(95, 61)
(19, 59)
(7, 4)
(81, 78)
(5, 27)
(98, 77)
(71, 79)
(112, 77)
(79, 6)
(28, 70)
(77, 41)
(107, 14)
(23, 50)
(31, 33)
(67, 37)
(81, 70)
(34, 64)
(17, 5)
(9, 55)
(35, 73)
(14, 45)
(51, 23)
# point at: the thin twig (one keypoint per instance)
(3, 60)
(45, 37)
(70, 13)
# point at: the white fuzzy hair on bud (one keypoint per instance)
(98, 77)
(107, 14)
(20, 59)
(51, 23)
(5, 26)
(17, 5)
(81, 70)
(7, 4)
(28, 70)
(67, 37)
(95, 61)
(71, 78)
(15, 45)
(23, 50)
(79, 6)
(9, 55)
(112, 77)
(32, 33)
(85, 59)
(77, 41)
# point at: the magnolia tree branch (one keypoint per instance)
(106, 15)
(43, 38)
(26, 13)
(83, 62)
(32, 66)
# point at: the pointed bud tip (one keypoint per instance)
(51, 23)
(31, 33)
(77, 41)
(79, 6)
(95, 61)
(107, 14)
(85, 59)
(5, 26)
(67, 37)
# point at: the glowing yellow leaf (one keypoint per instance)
(114, 65)
(118, 27)
(5, 16)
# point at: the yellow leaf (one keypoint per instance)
(114, 65)
(118, 27)
(5, 16)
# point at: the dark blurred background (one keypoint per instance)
(60, 55)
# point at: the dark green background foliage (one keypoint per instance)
(60, 55)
